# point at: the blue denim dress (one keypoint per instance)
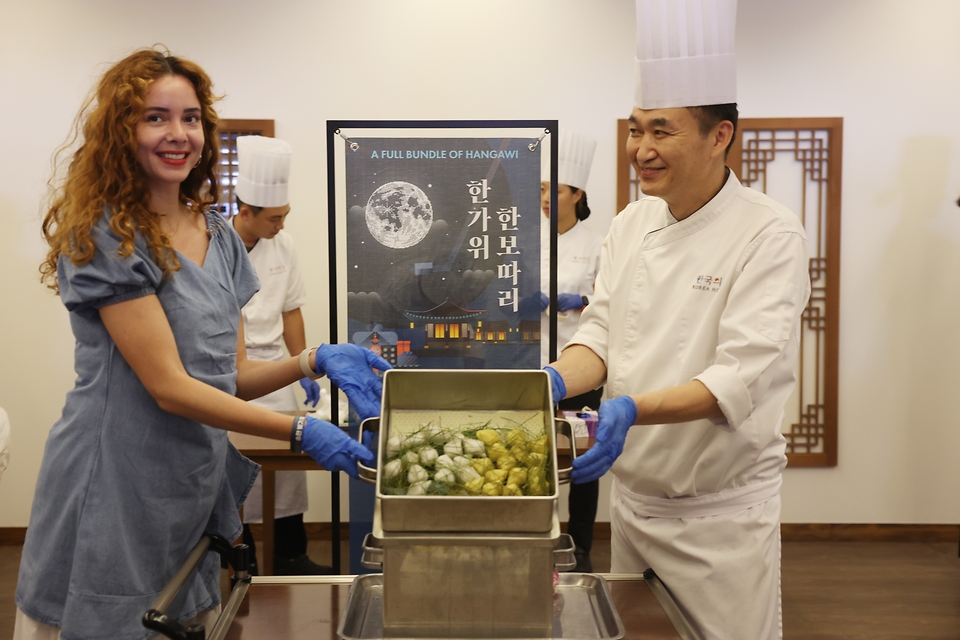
(126, 489)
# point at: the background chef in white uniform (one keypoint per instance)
(578, 260)
(271, 320)
(694, 329)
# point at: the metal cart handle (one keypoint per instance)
(156, 618)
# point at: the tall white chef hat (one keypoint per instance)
(264, 165)
(574, 157)
(685, 53)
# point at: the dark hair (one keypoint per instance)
(582, 210)
(253, 208)
(709, 116)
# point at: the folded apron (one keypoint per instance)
(718, 554)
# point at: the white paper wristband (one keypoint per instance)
(305, 365)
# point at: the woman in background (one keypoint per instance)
(139, 466)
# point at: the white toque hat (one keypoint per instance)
(685, 53)
(574, 157)
(264, 165)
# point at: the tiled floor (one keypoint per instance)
(831, 590)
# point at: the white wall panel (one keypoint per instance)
(890, 69)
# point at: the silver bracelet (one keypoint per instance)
(305, 365)
(296, 436)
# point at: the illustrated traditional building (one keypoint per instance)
(383, 343)
(447, 326)
(530, 331)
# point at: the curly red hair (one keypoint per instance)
(104, 171)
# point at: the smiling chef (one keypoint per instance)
(694, 330)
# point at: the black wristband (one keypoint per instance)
(584, 300)
(296, 435)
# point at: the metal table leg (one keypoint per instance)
(335, 520)
(269, 502)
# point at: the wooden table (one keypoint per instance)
(301, 608)
(273, 456)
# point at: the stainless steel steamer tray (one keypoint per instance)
(413, 392)
(582, 609)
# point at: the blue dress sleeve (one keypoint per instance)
(107, 278)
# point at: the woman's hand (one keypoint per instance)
(332, 448)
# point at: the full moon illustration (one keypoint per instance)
(399, 214)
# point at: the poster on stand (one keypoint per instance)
(436, 234)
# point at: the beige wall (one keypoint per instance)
(889, 68)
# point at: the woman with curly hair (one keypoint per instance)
(139, 466)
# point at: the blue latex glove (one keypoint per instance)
(332, 448)
(557, 384)
(371, 439)
(544, 302)
(533, 305)
(616, 417)
(569, 302)
(348, 366)
(313, 391)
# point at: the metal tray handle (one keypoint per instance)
(372, 557)
(563, 553)
(564, 428)
(366, 473)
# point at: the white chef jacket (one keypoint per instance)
(715, 297)
(281, 290)
(578, 261)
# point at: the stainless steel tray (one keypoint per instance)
(406, 391)
(583, 609)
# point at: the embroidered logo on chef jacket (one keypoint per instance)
(708, 283)
(279, 268)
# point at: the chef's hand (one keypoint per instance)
(557, 385)
(348, 366)
(332, 448)
(313, 391)
(569, 302)
(533, 305)
(616, 417)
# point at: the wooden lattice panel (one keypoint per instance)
(798, 162)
